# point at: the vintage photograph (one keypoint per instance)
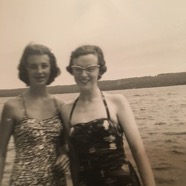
(92, 93)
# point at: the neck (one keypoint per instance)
(37, 92)
(90, 94)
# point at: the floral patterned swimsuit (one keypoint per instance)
(99, 146)
(36, 145)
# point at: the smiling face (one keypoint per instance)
(85, 77)
(38, 68)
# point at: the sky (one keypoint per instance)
(138, 38)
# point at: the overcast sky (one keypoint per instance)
(139, 38)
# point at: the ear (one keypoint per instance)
(99, 75)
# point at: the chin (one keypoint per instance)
(85, 87)
(39, 84)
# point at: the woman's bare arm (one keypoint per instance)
(74, 163)
(6, 128)
(127, 121)
(62, 162)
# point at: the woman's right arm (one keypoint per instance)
(6, 128)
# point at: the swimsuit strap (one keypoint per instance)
(22, 101)
(104, 102)
(56, 105)
(106, 105)
(108, 114)
(58, 114)
(73, 107)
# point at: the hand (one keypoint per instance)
(62, 163)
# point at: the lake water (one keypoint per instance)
(161, 117)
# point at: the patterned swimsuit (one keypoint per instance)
(36, 144)
(99, 146)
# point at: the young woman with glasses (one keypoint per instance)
(97, 122)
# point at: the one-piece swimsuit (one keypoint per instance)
(99, 147)
(37, 145)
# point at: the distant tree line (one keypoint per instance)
(167, 79)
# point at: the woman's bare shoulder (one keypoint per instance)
(12, 107)
(66, 108)
(68, 104)
(59, 102)
(12, 103)
(115, 97)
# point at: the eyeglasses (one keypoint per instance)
(89, 69)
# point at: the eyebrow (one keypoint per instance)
(84, 66)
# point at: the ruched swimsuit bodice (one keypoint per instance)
(99, 143)
(36, 145)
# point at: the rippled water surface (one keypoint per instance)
(161, 116)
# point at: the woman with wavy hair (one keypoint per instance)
(96, 122)
(34, 121)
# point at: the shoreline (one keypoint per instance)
(161, 80)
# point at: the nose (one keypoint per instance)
(39, 69)
(84, 72)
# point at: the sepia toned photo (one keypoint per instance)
(92, 93)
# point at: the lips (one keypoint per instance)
(39, 79)
(84, 81)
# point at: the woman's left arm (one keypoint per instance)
(128, 123)
(62, 162)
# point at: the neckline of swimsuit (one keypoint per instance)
(25, 114)
(104, 102)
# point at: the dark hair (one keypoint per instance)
(89, 49)
(37, 49)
